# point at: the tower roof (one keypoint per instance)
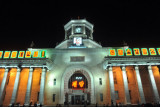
(78, 34)
(77, 22)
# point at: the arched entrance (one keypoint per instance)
(78, 89)
(80, 94)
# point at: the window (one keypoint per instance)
(130, 94)
(40, 79)
(127, 76)
(54, 81)
(54, 97)
(77, 59)
(100, 81)
(115, 78)
(38, 97)
(88, 32)
(4, 95)
(127, 79)
(8, 78)
(116, 95)
(78, 30)
(68, 32)
(101, 96)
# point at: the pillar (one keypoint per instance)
(15, 88)
(2, 88)
(153, 83)
(127, 97)
(140, 88)
(29, 84)
(41, 94)
(111, 83)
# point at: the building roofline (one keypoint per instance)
(78, 21)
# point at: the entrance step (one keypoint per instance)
(94, 106)
(75, 106)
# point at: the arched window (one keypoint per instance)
(78, 81)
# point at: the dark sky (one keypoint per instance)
(115, 21)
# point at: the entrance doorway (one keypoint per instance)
(77, 88)
(77, 99)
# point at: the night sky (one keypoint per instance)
(135, 22)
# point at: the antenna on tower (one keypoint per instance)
(124, 43)
(32, 44)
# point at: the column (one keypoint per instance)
(127, 97)
(29, 84)
(2, 88)
(111, 83)
(153, 83)
(15, 88)
(43, 78)
(140, 88)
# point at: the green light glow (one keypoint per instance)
(7, 54)
(120, 52)
(144, 51)
(43, 54)
(21, 54)
(1, 54)
(14, 54)
(128, 52)
(112, 52)
(152, 51)
(136, 51)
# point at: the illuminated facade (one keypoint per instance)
(80, 70)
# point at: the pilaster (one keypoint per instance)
(111, 83)
(41, 94)
(127, 96)
(153, 83)
(2, 88)
(29, 84)
(140, 88)
(14, 93)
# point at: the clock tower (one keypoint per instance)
(78, 34)
(78, 28)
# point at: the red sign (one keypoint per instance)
(81, 84)
(75, 84)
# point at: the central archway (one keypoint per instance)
(71, 70)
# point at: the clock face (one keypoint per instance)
(78, 30)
